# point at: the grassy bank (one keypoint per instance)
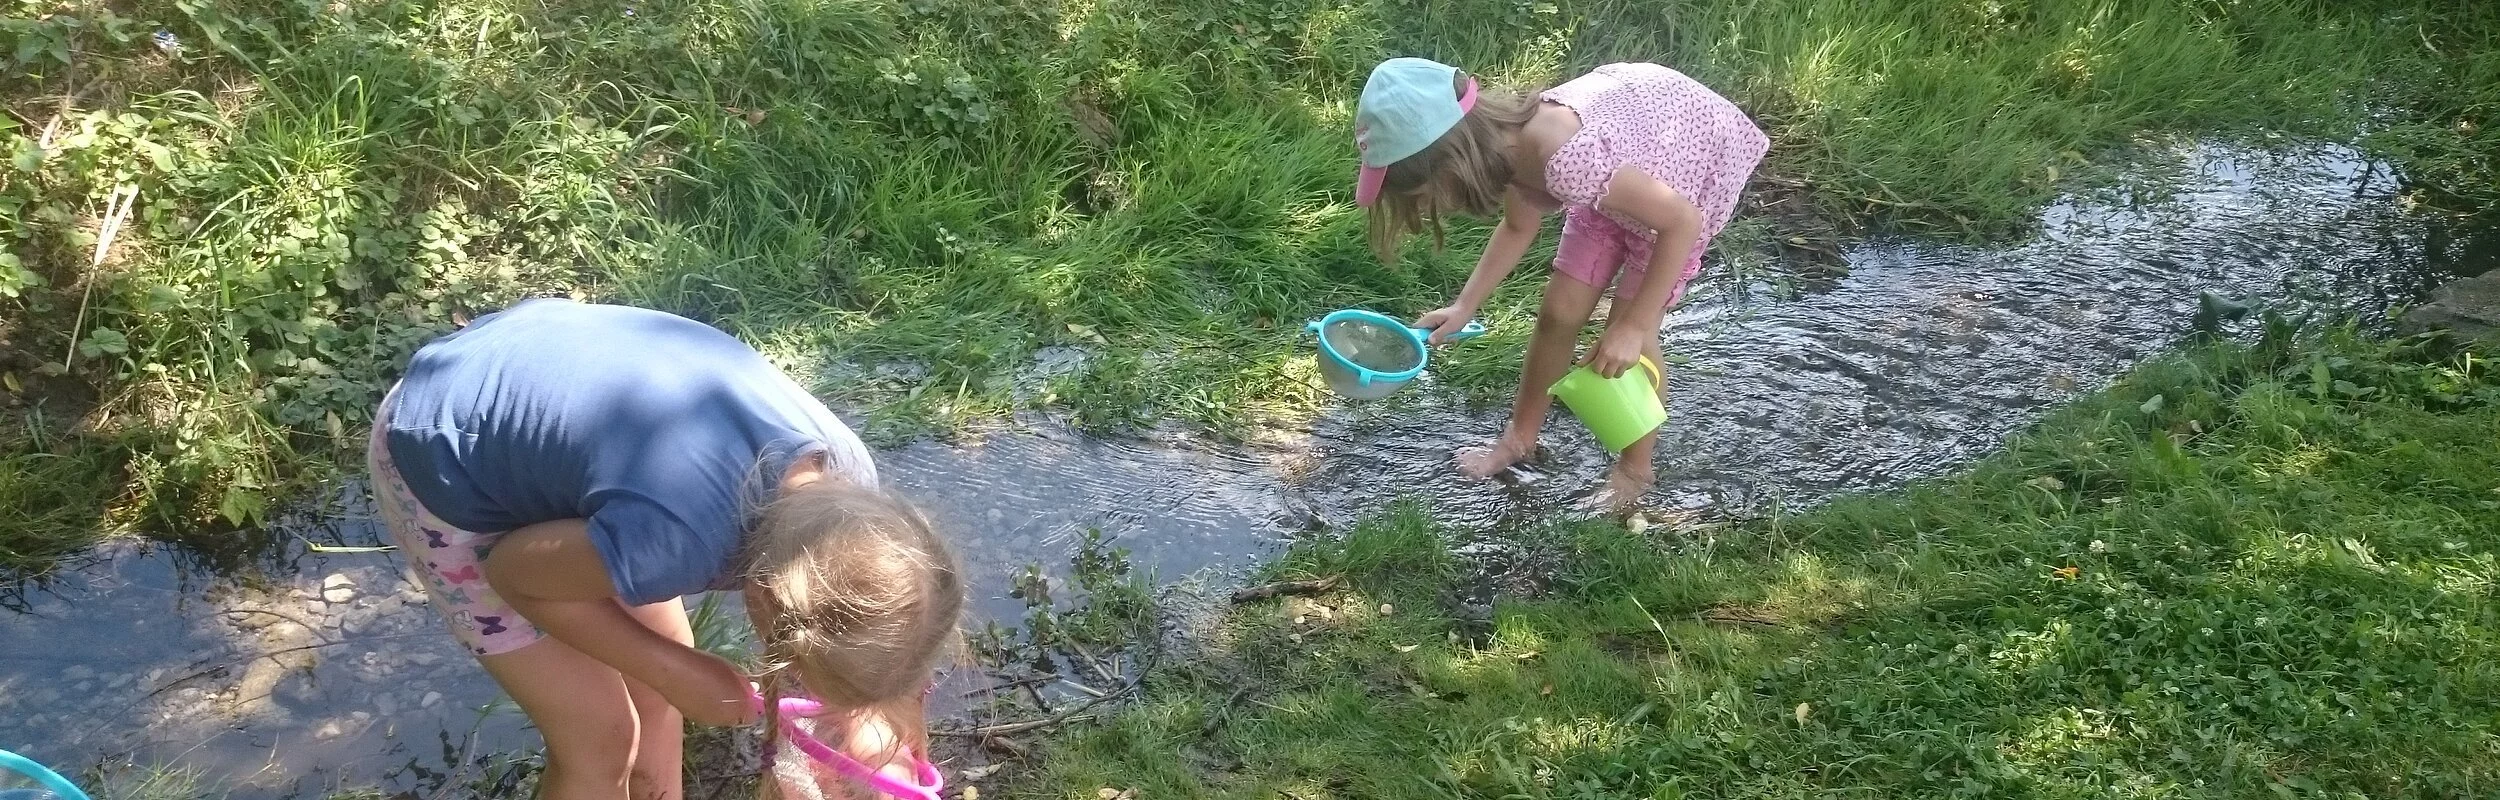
(216, 254)
(2240, 573)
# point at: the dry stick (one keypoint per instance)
(1735, 616)
(1091, 662)
(1034, 690)
(116, 210)
(1253, 594)
(1009, 686)
(1061, 718)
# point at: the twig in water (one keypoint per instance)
(160, 689)
(1009, 686)
(1092, 662)
(1040, 703)
(1252, 594)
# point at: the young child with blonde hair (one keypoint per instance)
(1645, 165)
(558, 475)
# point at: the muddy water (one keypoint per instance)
(322, 669)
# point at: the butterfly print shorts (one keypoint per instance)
(449, 562)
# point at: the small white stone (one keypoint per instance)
(78, 672)
(338, 588)
(328, 730)
(430, 699)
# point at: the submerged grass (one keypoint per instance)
(2243, 572)
(904, 200)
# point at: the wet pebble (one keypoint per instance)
(357, 621)
(430, 699)
(78, 672)
(338, 588)
(300, 689)
(387, 704)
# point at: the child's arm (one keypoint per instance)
(1520, 223)
(552, 575)
(1678, 222)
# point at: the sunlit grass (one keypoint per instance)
(2223, 631)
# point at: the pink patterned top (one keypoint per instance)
(1667, 125)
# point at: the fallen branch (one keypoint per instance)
(1092, 662)
(999, 744)
(1252, 594)
(1009, 686)
(1739, 616)
(1073, 713)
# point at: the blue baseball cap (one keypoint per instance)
(1406, 106)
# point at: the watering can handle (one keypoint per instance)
(1473, 330)
(1656, 378)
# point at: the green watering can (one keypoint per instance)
(1621, 409)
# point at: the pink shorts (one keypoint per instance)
(1600, 252)
(449, 562)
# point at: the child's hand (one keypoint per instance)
(1617, 350)
(1445, 322)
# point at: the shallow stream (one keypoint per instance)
(311, 670)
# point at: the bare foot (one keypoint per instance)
(1625, 485)
(1486, 462)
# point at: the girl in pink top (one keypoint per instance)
(1645, 164)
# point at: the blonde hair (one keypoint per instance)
(865, 598)
(1466, 171)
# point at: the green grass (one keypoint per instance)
(2282, 566)
(856, 184)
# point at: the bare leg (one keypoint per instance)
(660, 752)
(1551, 351)
(580, 707)
(1634, 471)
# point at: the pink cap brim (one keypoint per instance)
(1367, 185)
